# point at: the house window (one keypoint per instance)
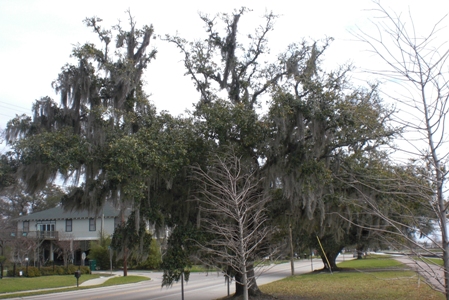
(26, 226)
(46, 227)
(92, 224)
(68, 225)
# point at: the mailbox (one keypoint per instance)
(77, 276)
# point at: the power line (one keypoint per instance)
(13, 109)
(6, 103)
(9, 116)
(13, 115)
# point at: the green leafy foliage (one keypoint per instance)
(100, 251)
(316, 130)
(8, 167)
(48, 271)
(154, 260)
(177, 260)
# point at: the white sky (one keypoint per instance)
(36, 39)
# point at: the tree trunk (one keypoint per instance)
(331, 251)
(359, 249)
(253, 289)
(442, 215)
(332, 258)
(125, 263)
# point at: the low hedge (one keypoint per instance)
(48, 271)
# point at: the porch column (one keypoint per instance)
(52, 254)
(72, 254)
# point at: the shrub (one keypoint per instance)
(100, 252)
(52, 270)
(48, 271)
(154, 260)
(33, 272)
(59, 270)
(85, 270)
(71, 269)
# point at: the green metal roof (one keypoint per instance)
(58, 213)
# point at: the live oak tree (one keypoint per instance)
(391, 201)
(8, 168)
(223, 62)
(102, 104)
(109, 143)
(116, 148)
(373, 197)
(320, 120)
(70, 138)
(314, 117)
(14, 202)
(229, 74)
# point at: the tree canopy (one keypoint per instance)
(301, 133)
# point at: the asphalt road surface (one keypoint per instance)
(201, 286)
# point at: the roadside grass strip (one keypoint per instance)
(18, 284)
(398, 285)
(60, 284)
(373, 278)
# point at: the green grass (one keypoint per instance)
(436, 261)
(200, 268)
(354, 285)
(17, 284)
(124, 280)
(69, 282)
(371, 262)
(367, 279)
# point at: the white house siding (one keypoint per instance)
(80, 228)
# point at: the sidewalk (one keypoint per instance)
(97, 281)
(433, 274)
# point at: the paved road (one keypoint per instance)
(201, 286)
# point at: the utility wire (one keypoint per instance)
(10, 104)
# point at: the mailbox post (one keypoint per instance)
(77, 276)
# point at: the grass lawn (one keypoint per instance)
(436, 261)
(124, 280)
(21, 285)
(17, 284)
(401, 285)
(372, 262)
(371, 278)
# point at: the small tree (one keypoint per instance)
(66, 246)
(233, 209)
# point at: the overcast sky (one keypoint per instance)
(36, 39)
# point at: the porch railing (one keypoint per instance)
(44, 235)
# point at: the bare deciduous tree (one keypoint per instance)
(233, 209)
(66, 246)
(417, 67)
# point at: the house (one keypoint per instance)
(55, 231)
